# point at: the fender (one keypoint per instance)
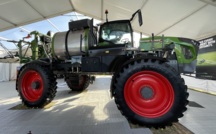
(44, 61)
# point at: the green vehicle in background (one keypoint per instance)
(39, 47)
(183, 56)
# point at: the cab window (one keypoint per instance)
(115, 33)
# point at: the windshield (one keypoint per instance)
(117, 33)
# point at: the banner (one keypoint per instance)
(206, 60)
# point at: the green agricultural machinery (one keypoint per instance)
(39, 47)
(146, 82)
(183, 56)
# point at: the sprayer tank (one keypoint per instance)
(68, 45)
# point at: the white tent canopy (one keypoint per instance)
(184, 18)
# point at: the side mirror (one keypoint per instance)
(139, 17)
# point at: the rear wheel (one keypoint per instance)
(79, 85)
(151, 93)
(36, 85)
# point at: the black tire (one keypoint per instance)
(85, 81)
(36, 85)
(150, 93)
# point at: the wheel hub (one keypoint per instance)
(35, 85)
(32, 86)
(147, 93)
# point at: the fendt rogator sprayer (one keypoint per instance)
(146, 81)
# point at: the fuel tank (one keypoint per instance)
(65, 45)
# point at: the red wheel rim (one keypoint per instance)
(149, 94)
(32, 86)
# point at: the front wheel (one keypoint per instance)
(36, 85)
(151, 93)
